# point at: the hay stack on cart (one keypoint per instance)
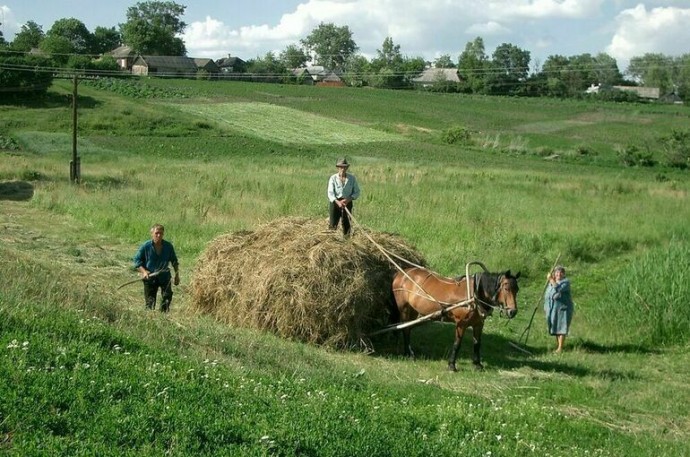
(296, 279)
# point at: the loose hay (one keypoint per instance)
(299, 280)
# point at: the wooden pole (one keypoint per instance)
(74, 165)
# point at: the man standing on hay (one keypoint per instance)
(342, 190)
(152, 260)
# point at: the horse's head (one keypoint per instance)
(501, 290)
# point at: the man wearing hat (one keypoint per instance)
(342, 190)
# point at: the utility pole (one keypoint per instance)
(74, 165)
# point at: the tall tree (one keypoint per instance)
(105, 39)
(153, 27)
(510, 67)
(555, 74)
(386, 67)
(355, 70)
(73, 31)
(473, 65)
(30, 36)
(388, 56)
(331, 45)
(294, 57)
(267, 68)
(444, 61)
(652, 70)
(2, 38)
(58, 48)
(606, 69)
(682, 65)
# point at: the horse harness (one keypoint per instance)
(485, 310)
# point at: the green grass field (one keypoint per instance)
(86, 371)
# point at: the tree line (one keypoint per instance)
(154, 28)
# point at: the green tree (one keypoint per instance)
(444, 61)
(356, 70)
(267, 69)
(58, 49)
(473, 65)
(105, 39)
(3, 43)
(386, 67)
(31, 79)
(294, 57)
(510, 67)
(555, 74)
(412, 67)
(29, 37)
(152, 28)
(606, 70)
(682, 76)
(652, 70)
(75, 32)
(331, 45)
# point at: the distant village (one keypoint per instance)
(232, 67)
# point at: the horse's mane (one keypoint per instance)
(484, 282)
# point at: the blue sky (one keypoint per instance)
(427, 28)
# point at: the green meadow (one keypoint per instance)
(514, 183)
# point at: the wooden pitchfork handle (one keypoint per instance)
(525, 332)
(155, 273)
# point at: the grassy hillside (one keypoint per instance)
(90, 372)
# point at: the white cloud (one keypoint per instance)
(419, 27)
(487, 28)
(541, 9)
(664, 30)
(9, 26)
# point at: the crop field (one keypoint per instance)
(286, 125)
(513, 183)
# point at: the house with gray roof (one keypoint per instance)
(124, 56)
(432, 76)
(208, 66)
(164, 66)
(231, 64)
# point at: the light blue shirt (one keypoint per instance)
(337, 189)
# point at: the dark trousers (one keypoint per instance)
(336, 214)
(151, 287)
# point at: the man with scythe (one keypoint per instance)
(152, 260)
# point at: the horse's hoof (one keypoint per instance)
(478, 366)
(451, 367)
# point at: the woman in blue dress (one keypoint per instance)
(558, 306)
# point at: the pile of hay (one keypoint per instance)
(299, 280)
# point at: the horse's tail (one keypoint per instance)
(394, 312)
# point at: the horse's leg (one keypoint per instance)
(459, 332)
(477, 346)
(407, 349)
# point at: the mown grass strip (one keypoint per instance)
(287, 125)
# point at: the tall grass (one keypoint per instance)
(647, 299)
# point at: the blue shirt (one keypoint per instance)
(148, 258)
(337, 189)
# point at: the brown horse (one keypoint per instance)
(420, 291)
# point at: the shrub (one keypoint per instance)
(632, 156)
(677, 148)
(458, 134)
(8, 143)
